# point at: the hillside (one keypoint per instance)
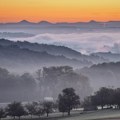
(56, 50)
(51, 49)
(105, 74)
(33, 55)
(108, 56)
(18, 59)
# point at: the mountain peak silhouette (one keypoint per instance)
(44, 22)
(24, 22)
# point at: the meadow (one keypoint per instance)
(109, 114)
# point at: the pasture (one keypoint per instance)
(78, 115)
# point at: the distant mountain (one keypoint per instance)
(24, 22)
(112, 24)
(112, 57)
(61, 27)
(92, 24)
(103, 75)
(15, 35)
(45, 23)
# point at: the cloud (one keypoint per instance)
(83, 42)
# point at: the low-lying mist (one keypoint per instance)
(45, 82)
(93, 70)
(85, 43)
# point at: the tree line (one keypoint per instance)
(12, 86)
(67, 100)
(106, 98)
(40, 84)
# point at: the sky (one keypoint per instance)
(59, 10)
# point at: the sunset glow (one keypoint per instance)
(59, 10)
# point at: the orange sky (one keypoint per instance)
(59, 10)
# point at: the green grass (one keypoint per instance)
(95, 115)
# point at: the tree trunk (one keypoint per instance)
(47, 114)
(68, 112)
(19, 117)
(102, 107)
(118, 106)
(63, 114)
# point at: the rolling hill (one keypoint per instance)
(22, 59)
(103, 75)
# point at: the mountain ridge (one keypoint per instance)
(55, 50)
(81, 24)
(49, 55)
(45, 21)
(19, 58)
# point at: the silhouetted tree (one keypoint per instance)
(48, 105)
(88, 104)
(117, 97)
(101, 97)
(111, 97)
(2, 113)
(61, 104)
(31, 108)
(105, 96)
(15, 109)
(39, 111)
(62, 77)
(28, 80)
(69, 99)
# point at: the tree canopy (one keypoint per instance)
(68, 100)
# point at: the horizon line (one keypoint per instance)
(25, 20)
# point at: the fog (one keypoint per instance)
(27, 57)
(103, 75)
(85, 43)
(46, 82)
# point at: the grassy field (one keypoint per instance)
(76, 115)
(97, 115)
